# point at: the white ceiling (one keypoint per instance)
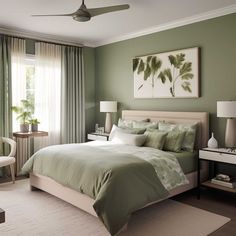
(143, 17)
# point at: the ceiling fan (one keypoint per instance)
(84, 14)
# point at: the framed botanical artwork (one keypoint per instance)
(172, 74)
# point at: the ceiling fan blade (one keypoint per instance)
(103, 10)
(55, 15)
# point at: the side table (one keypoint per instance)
(98, 136)
(216, 155)
(23, 151)
(2, 216)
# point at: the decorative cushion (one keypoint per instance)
(125, 130)
(155, 138)
(190, 136)
(174, 140)
(128, 139)
(164, 126)
(190, 133)
(122, 123)
(145, 124)
(125, 123)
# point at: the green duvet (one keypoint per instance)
(120, 183)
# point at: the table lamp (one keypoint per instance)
(227, 109)
(108, 107)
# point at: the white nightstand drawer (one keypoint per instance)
(217, 156)
(97, 137)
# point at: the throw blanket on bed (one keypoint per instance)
(120, 182)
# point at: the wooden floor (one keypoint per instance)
(215, 201)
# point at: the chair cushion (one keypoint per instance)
(5, 161)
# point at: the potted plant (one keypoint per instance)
(34, 125)
(24, 113)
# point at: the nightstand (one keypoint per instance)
(98, 136)
(222, 155)
(2, 216)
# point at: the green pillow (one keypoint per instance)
(145, 124)
(190, 135)
(174, 140)
(125, 123)
(155, 139)
(122, 123)
(164, 126)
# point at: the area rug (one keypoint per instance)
(40, 214)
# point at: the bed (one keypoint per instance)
(86, 203)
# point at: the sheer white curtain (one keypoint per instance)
(18, 55)
(48, 92)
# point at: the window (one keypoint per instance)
(23, 83)
(30, 78)
(37, 78)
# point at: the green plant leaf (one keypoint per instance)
(187, 76)
(187, 87)
(187, 67)
(141, 66)
(180, 59)
(135, 64)
(147, 72)
(149, 59)
(167, 73)
(177, 60)
(172, 60)
(155, 64)
(162, 77)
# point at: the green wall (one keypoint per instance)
(217, 40)
(89, 74)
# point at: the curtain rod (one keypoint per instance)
(38, 37)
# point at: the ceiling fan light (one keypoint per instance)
(81, 18)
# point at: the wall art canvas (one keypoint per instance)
(172, 74)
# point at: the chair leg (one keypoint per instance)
(12, 168)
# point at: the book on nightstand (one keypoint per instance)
(224, 180)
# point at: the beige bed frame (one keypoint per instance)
(85, 203)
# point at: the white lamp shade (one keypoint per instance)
(226, 109)
(108, 106)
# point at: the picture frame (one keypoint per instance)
(173, 74)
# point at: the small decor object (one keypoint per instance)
(212, 142)
(96, 128)
(227, 109)
(167, 75)
(24, 113)
(108, 107)
(34, 125)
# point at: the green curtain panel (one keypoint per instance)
(72, 95)
(5, 87)
(5, 94)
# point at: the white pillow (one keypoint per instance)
(129, 139)
(125, 130)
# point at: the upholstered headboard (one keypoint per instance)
(202, 118)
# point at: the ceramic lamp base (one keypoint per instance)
(108, 123)
(230, 133)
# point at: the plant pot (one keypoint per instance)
(34, 128)
(24, 128)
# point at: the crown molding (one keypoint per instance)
(174, 24)
(39, 36)
(158, 28)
